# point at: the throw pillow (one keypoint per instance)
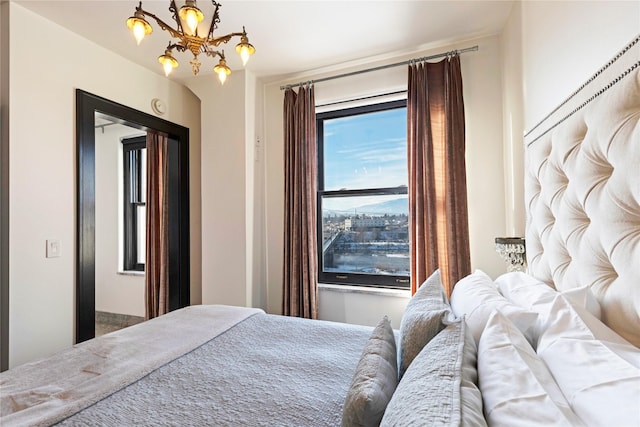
(422, 319)
(374, 381)
(439, 388)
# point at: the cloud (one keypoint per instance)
(366, 151)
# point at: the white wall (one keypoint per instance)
(361, 307)
(224, 204)
(42, 174)
(233, 191)
(549, 49)
(513, 123)
(565, 42)
(483, 108)
(115, 292)
(256, 283)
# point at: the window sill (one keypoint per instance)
(401, 293)
(131, 273)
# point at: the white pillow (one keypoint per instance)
(597, 370)
(471, 411)
(524, 290)
(532, 294)
(585, 298)
(527, 292)
(516, 385)
(476, 296)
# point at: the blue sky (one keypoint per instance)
(365, 151)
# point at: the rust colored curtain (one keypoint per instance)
(157, 247)
(438, 216)
(300, 264)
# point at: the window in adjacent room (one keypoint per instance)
(135, 187)
(362, 196)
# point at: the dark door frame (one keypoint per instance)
(178, 169)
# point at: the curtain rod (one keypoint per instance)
(382, 67)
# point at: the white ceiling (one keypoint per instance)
(289, 36)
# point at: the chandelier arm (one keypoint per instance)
(163, 25)
(215, 20)
(179, 47)
(213, 53)
(174, 11)
(217, 41)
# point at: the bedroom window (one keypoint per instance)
(135, 188)
(362, 196)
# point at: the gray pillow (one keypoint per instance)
(423, 318)
(440, 386)
(374, 381)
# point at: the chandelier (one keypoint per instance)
(513, 251)
(188, 39)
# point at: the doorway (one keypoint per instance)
(87, 105)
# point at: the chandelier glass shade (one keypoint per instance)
(513, 251)
(186, 37)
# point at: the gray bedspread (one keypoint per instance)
(45, 391)
(267, 370)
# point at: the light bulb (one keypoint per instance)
(138, 26)
(138, 31)
(222, 70)
(168, 62)
(168, 67)
(191, 16)
(244, 54)
(244, 48)
(222, 76)
(192, 21)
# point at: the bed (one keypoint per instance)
(557, 345)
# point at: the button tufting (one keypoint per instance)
(583, 224)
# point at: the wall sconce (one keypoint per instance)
(513, 252)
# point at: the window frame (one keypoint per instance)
(342, 278)
(130, 247)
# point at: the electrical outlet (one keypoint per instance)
(53, 248)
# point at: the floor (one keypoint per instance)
(110, 322)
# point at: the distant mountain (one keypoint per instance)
(390, 207)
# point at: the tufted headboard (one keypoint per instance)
(582, 192)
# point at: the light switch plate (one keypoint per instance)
(53, 248)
